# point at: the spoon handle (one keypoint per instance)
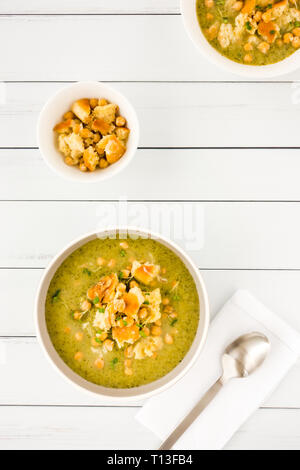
(193, 415)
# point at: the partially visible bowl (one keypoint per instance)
(189, 15)
(59, 104)
(129, 394)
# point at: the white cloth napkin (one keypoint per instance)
(240, 397)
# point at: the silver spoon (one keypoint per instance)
(240, 359)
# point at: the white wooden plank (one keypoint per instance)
(269, 430)
(137, 47)
(217, 235)
(94, 428)
(51, 389)
(176, 114)
(212, 174)
(73, 428)
(88, 7)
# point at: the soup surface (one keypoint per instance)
(253, 32)
(122, 313)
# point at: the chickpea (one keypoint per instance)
(146, 331)
(165, 301)
(163, 270)
(67, 330)
(93, 103)
(128, 371)
(79, 336)
(133, 284)
(102, 102)
(97, 138)
(209, 3)
(120, 121)
(129, 352)
(99, 363)
(257, 16)
(77, 315)
(85, 305)
(279, 42)
(82, 167)
(296, 32)
(287, 38)
(248, 47)
(237, 6)
(111, 263)
(108, 344)
(100, 261)
(168, 309)
(69, 161)
(209, 17)
(68, 115)
(168, 339)
(143, 313)
(78, 356)
(85, 133)
(94, 343)
(263, 47)
(248, 58)
(103, 163)
(156, 331)
(296, 42)
(173, 315)
(124, 245)
(158, 323)
(127, 362)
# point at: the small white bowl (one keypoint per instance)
(53, 112)
(115, 394)
(189, 14)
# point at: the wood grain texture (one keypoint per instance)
(89, 7)
(86, 428)
(212, 174)
(217, 235)
(176, 114)
(130, 38)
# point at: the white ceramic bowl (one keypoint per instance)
(53, 112)
(188, 10)
(144, 391)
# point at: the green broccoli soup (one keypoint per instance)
(122, 313)
(252, 32)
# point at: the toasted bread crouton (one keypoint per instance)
(63, 146)
(102, 126)
(75, 143)
(144, 273)
(106, 113)
(248, 7)
(132, 303)
(275, 12)
(126, 334)
(90, 158)
(225, 35)
(113, 148)
(63, 127)
(122, 133)
(268, 31)
(82, 109)
(146, 347)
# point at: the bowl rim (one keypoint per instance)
(190, 21)
(113, 394)
(72, 173)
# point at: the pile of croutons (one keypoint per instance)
(92, 135)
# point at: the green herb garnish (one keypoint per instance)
(297, 24)
(114, 362)
(173, 322)
(176, 297)
(273, 31)
(248, 25)
(101, 310)
(143, 334)
(98, 340)
(86, 271)
(146, 302)
(96, 300)
(123, 253)
(125, 323)
(270, 5)
(120, 276)
(55, 296)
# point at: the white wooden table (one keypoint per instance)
(208, 138)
